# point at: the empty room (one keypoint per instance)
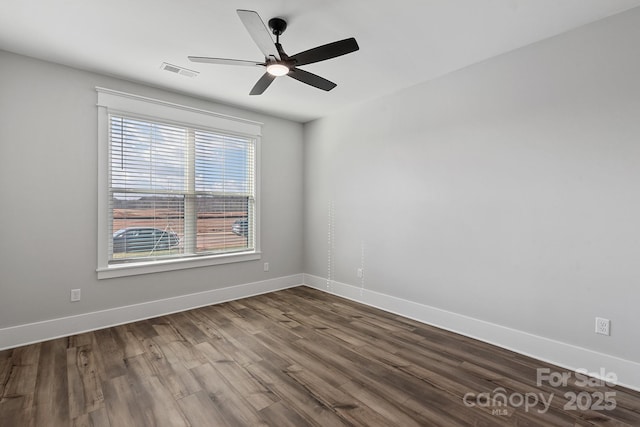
(302, 213)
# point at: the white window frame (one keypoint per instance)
(116, 102)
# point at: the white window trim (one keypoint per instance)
(112, 101)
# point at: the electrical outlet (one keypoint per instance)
(359, 273)
(602, 326)
(266, 266)
(75, 295)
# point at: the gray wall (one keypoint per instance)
(508, 191)
(48, 202)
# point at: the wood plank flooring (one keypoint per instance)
(297, 357)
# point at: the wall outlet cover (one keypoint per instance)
(603, 326)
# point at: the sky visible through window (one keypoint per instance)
(149, 156)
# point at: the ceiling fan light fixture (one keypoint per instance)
(277, 69)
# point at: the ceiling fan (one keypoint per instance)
(276, 61)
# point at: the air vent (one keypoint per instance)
(178, 70)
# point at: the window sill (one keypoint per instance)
(133, 269)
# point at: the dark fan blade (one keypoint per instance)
(223, 61)
(262, 84)
(259, 32)
(311, 79)
(326, 51)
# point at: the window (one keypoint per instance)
(180, 186)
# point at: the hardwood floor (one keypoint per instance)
(291, 358)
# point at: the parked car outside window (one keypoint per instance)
(144, 239)
(240, 227)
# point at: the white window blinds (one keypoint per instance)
(178, 191)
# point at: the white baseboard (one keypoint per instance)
(16, 336)
(547, 350)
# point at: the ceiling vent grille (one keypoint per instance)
(178, 70)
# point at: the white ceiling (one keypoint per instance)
(402, 42)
